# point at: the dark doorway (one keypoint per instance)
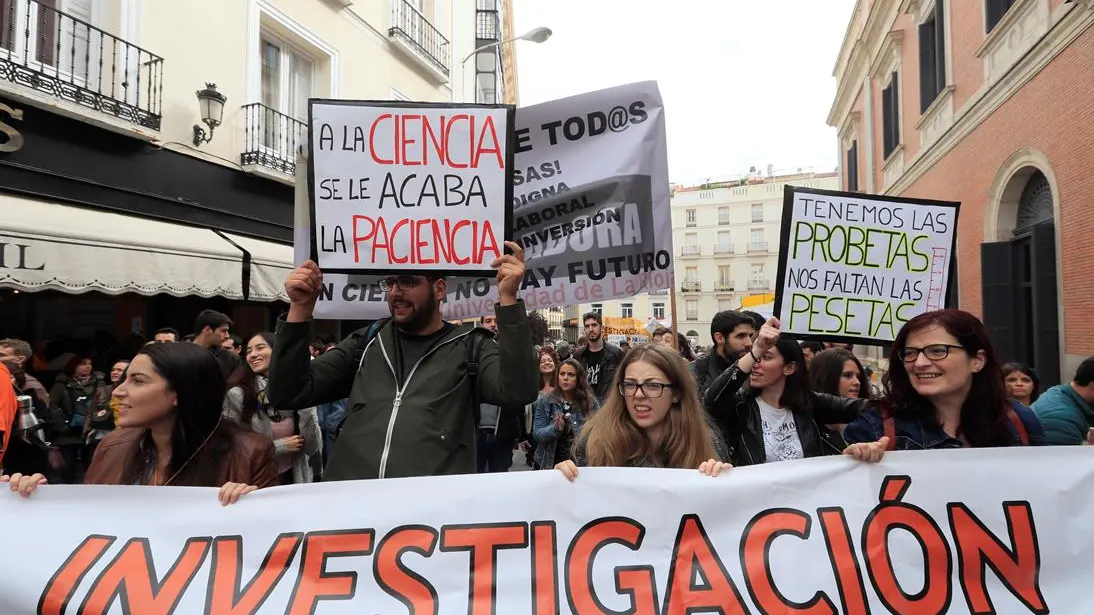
(1019, 285)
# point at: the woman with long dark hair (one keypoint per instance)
(1023, 385)
(295, 433)
(558, 417)
(838, 372)
(777, 417)
(944, 390)
(652, 418)
(170, 431)
(548, 370)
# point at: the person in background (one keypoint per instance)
(582, 342)
(9, 410)
(848, 347)
(777, 417)
(548, 371)
(652, 419)
(732, 333)
(563, 350)
(624, 346)
(316, 347)
(75, 395)
(838, 373)
(684, 346)
(295, 434)
(21, 352)
(170, 431)
(1067, 410)
(166, 335)
(105, 417)
(811, 349)
(27, 451)
(944, 390)
(558, 416)
(211, 330)
(599, 357)
(756, 318)
(1023, 385)
(234, 343)
(501, 427)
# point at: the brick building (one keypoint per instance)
(991, 103)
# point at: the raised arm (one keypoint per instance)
(509, 373)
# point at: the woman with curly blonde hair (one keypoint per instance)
(652, 418)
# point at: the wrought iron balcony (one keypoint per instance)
(723, 287)
(757, 246)
(413, 29)
(270, 138)
(690, 251)
(723, 248)
(486, 21)
(691, 286)
(759, 284)
(67, 58)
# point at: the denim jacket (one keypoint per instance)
(913, 435)
(544, 411)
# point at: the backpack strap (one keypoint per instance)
(474, 351)
(370, 333)
(888, 429)
(1019, 426)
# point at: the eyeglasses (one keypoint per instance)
(934, 352)
(404, 282)
(649, 389)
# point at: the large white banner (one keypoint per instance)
(921, 533)
(590, 208)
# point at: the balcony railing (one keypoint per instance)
(69, 59)
(757, 246)
(690, 223)
(723, 287)
(663, 291)
(270, 138)
(408, 24)
(691, 316)
(759, 284)
(690, 251)
(723, 248)
(691, 287)
(486, 22)
(723, 220)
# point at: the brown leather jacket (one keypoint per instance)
(251, 461)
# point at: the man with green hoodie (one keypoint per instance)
(410, 408)
(1067, 410)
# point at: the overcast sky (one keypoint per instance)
(745, 82)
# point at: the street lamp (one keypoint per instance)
(535, 35)
(211, 104)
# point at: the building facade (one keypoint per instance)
(986, 102)
(123, 209)
(726, 240)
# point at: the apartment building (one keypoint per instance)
(986, 102)
(148, 148)
(726, 239)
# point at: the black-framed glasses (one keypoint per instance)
(628, 388)
(934, 352)
(404, 282)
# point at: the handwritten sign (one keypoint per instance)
(402, 187)
(854, 267)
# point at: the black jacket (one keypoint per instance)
(612, 356)
(706, 369)
(733, 407)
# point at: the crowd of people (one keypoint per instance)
(415, 395)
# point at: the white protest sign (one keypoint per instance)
(855, 268)
(590, 207)
(409, 187)
(908, 535)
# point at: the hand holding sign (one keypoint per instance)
(302, 286)
(510, 274)
(769, 334)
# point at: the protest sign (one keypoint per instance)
(855, 268)
(825, 536)
(590, 208)
(409, 187)
(630, 330)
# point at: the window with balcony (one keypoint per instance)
(597, 308)
(756, 241)
(691, 309)
(626, 310)
(725, 279)
(689, 217)
(57, 49)
(995, 10)
(276, 126)
(757, 212)
(758, 280)
(691, 245)
(691, 280)
(723, 246)
(932, 57)
(852, 167)
(890, 115)
(723, 216)
(416, 34)
(659, 311)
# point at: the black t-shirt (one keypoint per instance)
(592, 362)
(413, 347)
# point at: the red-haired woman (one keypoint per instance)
(944, 390)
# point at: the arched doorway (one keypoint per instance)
(1019, 275)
